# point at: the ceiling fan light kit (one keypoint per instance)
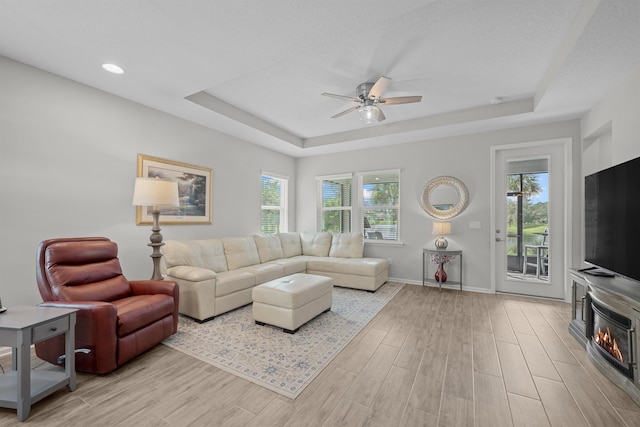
(368, 95)
(369, 113)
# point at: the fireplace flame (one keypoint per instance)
(604, 340)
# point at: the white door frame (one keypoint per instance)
(568, 214)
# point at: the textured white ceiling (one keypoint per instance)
(255, 69)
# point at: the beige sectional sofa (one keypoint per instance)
(218, 275)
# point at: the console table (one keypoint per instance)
(20, 327)
(439, 253)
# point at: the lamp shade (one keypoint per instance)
(368, 113)
(155, 192)
(441, 228)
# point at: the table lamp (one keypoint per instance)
(155, 192)
(441, 229)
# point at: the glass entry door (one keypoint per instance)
(529, 209)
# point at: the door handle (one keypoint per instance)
(498, 239)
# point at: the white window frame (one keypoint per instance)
(284, 200)
(321, 209)
(361, 207)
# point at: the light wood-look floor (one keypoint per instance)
(429, 358)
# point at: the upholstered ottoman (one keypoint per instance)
(291, 301)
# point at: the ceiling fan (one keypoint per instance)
(368, 96)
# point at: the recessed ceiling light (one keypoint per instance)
(112, 68)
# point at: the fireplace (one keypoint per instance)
(613, 338)
(611, 328)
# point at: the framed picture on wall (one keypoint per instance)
(194, 190)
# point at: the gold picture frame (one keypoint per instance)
(194, 190)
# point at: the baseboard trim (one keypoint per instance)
(444, 286)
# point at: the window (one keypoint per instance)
(379, 203)
(334, 203)
(274, 204)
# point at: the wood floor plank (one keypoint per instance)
(537, 358)
(520, 322)
(527, 412)
(589, 398)
(413, 348)
(317, 409)
(481, 321)
(364, 388)
(553, 345)
(517, 378)
(354, 358)
(485, 354)
(416, 418)
(398, 333)
(502, 329)
(391, 400)
(560, 407)
(426, 394)
(631, 418)
(615, 394)
(276, 413)
(456, 412)
(491, 404)
(347, 413)
(429, 381)
(559, 326)
(532, 314)
(458, 380)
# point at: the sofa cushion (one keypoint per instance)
(240, 252)
(296, 264)
(264, 272)
(205, 253)
(347, 245)
(360, 267)
(233, 281)
(269, 247)
(315, 244)
(291, 245)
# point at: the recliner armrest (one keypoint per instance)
(150, 287)
(96, 323)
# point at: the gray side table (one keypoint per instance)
(426, 255)
(20, 327)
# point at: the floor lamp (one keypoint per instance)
(154, 193)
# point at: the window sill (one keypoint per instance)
(377, 242)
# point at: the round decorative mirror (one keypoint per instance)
(444, 197)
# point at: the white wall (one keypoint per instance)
(612, 128)
(68, 165)
(466, 158)
(611, 132)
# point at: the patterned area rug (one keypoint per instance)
(265, 355)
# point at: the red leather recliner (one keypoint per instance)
(117, 319)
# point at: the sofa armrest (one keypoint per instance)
(191, 274)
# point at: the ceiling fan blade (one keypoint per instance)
(343, 97)
(401, 100)
(345, 112)
(379, 87)
(380, 115)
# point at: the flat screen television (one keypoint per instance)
(612, 219)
